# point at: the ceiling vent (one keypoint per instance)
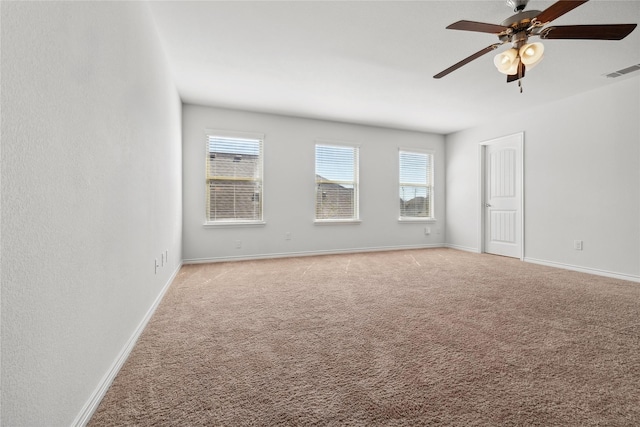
(622, 72)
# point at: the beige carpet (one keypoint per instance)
(420, 337)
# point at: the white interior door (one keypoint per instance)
(503, 220)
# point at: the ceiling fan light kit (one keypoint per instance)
(507, 61)
(531, 54)
(518, 28)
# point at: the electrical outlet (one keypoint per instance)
(238, 244)
(287, 236)
(577, 245)
(427, 230)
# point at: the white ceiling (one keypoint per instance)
(372, 62)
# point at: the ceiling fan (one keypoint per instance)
(517, 30)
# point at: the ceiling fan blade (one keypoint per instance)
(467, 60)
(558, 9)
(480, 27)
(588, 32)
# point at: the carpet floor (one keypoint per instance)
(403, 338)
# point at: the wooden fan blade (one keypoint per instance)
(588, 32)
(480, 27)
(518, 75)
(467, 60)
(557, 9)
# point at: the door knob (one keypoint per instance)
(487, 205)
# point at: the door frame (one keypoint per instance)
(482, 148)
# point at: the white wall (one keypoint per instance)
(581, 179)
(91, 194)
(289, 188)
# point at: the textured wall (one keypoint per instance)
(581, 180)
(91, 194)
(289, 187)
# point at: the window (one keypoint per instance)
(336, 182)
(234, 178)
(416, 185)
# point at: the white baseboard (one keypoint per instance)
(588, 270)
(462, 248)
(309, 253)
(96, 397)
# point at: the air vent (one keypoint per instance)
(622, 72)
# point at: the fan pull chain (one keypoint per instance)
(520, 69)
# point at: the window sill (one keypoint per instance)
(416, 220)
(336, 221)
(224, 224)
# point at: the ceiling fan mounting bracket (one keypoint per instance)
(517, 5)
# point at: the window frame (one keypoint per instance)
(229, 222)
(430, 185)
(355, 219)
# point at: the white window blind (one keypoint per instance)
(416, 185)
(336, 182)
(234, 179)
